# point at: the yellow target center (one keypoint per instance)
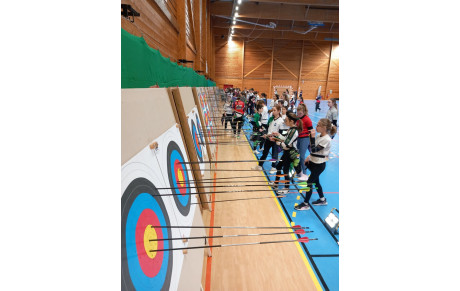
(150, 233)
(180, 177)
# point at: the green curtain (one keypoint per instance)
(143, 66)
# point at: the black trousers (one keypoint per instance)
(284, 165)
(316, 170)
(317, 106)
(267, 146)
(228, 118)
(237, 124)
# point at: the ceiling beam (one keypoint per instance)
(240, 34)
(276, 11)
(278, 28)
(331, 3)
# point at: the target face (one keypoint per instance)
(197, 141)
(178, 178)
(142, 269)
(200, 129)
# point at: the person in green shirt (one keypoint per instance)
(257, 128)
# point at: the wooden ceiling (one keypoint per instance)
(291, 17)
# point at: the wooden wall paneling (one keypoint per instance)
(158, 31)
(197, 29)
(236, 82)
(190, 35)
(334, 72)
(287, 60)
(328, 67)
(229, 58)
(310, 88)
(181, 22)
(257, 56)
(300, 70)
(242, 66)
(271, 69)
(314, 68)
(190, 54)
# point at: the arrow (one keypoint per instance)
(223, 186)
(255, 182)
(227, 170)
(219, 192)
(242, 199)
(238, 161)
(233, 227)
(302, 239)
(297, 231)
(226, 178)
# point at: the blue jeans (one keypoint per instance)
(302, 145)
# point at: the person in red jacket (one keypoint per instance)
(304, 138)
(238, 113)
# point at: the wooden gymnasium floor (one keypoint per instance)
(281, 266)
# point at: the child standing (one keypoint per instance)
(238, 110)
(318, 101)
(332, 114)
(274, 124)
(257, 128)
(287, 143)
(304, 138)
(228, 112)
(316, 161)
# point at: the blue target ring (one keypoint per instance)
(197, 141)
(198, 124)
(178, 178)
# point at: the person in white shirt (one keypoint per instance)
(264, 119)
(274, 124)
(284, 127)
(332, 114)
(228, 113)
(320, 147)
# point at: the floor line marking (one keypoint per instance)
(302, 253)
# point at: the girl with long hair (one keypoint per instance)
(304, 138)
(287, 143)
(316, 161)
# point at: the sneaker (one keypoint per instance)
(271, 183)
(238, 136)
(284, 191)
(303, 177)
(272, 171)
(259, 168)
(256, 152)
(320, 202)
(302, 206)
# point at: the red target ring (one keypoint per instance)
(149, 266)
(179, 171)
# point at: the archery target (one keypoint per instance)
(197, 142)
(179, 178)
(177, 175)
(140, 208)
(200, 129)
(142, 269)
